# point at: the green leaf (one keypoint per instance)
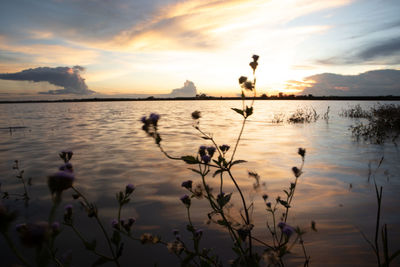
(238, 162)
(217, 172)
(189, 159)
(100, 261)
(238, 111)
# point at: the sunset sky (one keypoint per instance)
(127, 47)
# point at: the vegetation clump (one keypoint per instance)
(303, 115)
(383, 123)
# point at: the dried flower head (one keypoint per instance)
(196, 115)
(187, 184)
(248, 86)
(302, 152)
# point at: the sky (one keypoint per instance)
(80, 48)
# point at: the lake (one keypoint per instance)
(111, 150)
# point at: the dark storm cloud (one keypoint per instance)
(371, 83)
(67, 78)
(383, 53)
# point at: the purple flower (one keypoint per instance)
(198, 233)
(55, 227)
(68, 208)
(186, 200)
(187, 184)
(202, 150)
(154, 117)
(114, 223)
(129, 189)
(210, 151)
(288, 230)
(265, 197)
(224, 148)
(281, 225)
(34, 234)
(143, 119)
(66, 167)
(60, 181)
(205, 159)
(131, 221)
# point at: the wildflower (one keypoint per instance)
(242, 79)
(302, 152)
(143, 119)
(205, 159)
(297, 172)
(149, 238)
(253, 65)
(154, 117)
(66, 155)
(211, 151)
(66, 167)
(55, 227)
(187, 184)
(286, 229)
(198, 233)
(268, 204)
(224, 148)
(115, 224)
(129, 189)
(196, 115)
(34, 234)
(198, 191)
(60, 181)
(248, 86)
(186, 200)
(255, 58)
(265, 197)
(131, 221)
(202, 151)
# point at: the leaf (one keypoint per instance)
(100, 261)
(194, 170)
(222, 222)
(223, 200)
(238, 162)
(217, 172)
(189, 159)
(206, 138)
(284, 203)
(238, 111)
(286, 192)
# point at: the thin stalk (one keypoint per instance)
(14, 249)
(245, 207)
(85, 241)
(102, 228)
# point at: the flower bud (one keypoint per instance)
(186, 200)
(187, 184)
(129, 189)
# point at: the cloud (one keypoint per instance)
(188, 90)
(371, 83)
(66, 77)
(384, 52)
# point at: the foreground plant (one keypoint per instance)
(219, 160)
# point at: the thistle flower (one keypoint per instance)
(115, 224)
(186, 200)
(265, 197)
(206, 159)
(55, 227)
(286, 229)
(198, 233)
(131, 221)
(224, 148)
(296, 171)
(60, 181)
(242, 79)
(187, 184)
(255, 58)
(34, 234)
(302, 152)
(154, 117)
(196, 115)
(129, 189)
(202, 150)
(248, 86)
(211, 151)
(143, 119)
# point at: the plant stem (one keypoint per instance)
(14, 249)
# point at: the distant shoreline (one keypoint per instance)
(326, 98)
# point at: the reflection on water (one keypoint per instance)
(111, 151)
